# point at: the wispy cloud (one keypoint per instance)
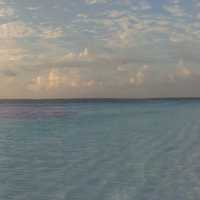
(52, 33)
(175, 9)
(181, 72)
(141, 6)
(91, 2)
(83, 55)
(11, 54)
(15, 29)
(5, 12)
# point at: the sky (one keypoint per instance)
(99, 48)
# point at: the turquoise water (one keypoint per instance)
(148, 150)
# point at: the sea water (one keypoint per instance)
(100, 150)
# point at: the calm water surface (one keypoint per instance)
(100, 150)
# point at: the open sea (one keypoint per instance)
(100, 150)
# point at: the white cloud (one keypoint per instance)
(91, 2)
(90, 83)
(130, 30)
(82, 15)
(16, 29)
(132, 80)
(36, 84)
(5, 12)
(141, 6)
(81, 56)
(138, 78)
(181, 72)
(52, 80)
(175, 9)
(175, 36)
(145, 5)
(32, 8)
(51, 33)
(11, 54)
(55, 79)
(115, 14)
(145, 67)
(121, 69)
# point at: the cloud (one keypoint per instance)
(85, 55)
(177, 37)
(36, 84)
(115, 14)
(138, 78)
(55, 80)
(197, 3)
(7, 76)
(121, 69)
(135, 77)
(175, 9)
(141, 6)
(52, 33)
(125, 28)
(11, 54)
(132, 30)
(6, 12)
(33, 8)
(144, 5)
(82, 15)
(123, 35)
(52, 80)
(91, 83)
(181, 72)
(16, 29)
(8, 73)
(91, 2)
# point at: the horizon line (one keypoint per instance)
(100, 98)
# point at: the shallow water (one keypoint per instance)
(148, 150)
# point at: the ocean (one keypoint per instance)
(100, 150)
